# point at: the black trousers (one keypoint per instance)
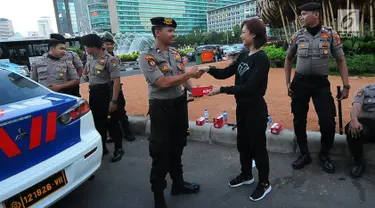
(317, 87)
(123, 118)
(167, 140)
(251, 137)
(71, 91)
(356, 144)
(99, 99)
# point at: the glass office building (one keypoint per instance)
(134, 15)
(99, 15)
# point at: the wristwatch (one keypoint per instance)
(347, 86)
(114, 101)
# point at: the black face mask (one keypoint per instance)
(314, 30)
(52, 57)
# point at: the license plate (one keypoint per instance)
(41, 190)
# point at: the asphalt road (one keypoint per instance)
(126, 183)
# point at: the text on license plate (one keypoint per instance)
(37, 192)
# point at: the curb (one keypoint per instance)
(283, 143)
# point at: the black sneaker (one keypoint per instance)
(241, 180)
(109, 140)
(117, 155)
(261, 191)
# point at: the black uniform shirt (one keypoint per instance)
(251, 76)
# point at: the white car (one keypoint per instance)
(48, 143)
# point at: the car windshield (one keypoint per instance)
(15, 88)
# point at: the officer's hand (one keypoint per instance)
(215, 91)
(203, 69)
(355, 128)
(55, 87)
(290, 91)
(194, 72)
(112, 107)
(344, 94)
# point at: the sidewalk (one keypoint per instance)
(126, 183)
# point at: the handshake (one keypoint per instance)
(196, 72)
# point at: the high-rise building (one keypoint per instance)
(134, 15)
(44, 27)
(99, 15)
(67, 16)
(224, 18)
(83, 18)
(6, 28)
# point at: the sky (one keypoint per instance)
(25, 14)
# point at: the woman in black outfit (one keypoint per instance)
(251, 77)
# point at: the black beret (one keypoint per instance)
(163, 22)
(53, 41)
(107, 39)
(57, 36)
(91, 40)
(311, 6)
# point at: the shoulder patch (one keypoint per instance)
(337, 38)
(151, 61)
(113, 60)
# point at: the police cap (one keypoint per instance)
(91, 40)
(163, 22)
(311, 6)
(57, 36)
(107, 39)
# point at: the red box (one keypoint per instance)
(276, 128)
(219, 122)
(198, 91)
(200, 121)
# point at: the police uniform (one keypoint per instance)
(366, 97)
(168, 115)
(72, 57)
(48, 70)
(124, 120)
(101, 70)
(311, 80)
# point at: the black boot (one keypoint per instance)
(129, 136)
(358, 168)
(159, 200)
(184, 188)
(303, 160)
(326, 163)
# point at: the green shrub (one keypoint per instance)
(184, 51)
(129, 57)
(274, 53)
(357, 65)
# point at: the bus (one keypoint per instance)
(24, 51)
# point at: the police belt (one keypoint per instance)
(310, 77)
(168, 102)
(106, 86)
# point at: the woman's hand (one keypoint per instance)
(215, 91)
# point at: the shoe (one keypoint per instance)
(302, 161)
(159, 200)
(241, 180)
(261, 191)
(358, 169)
(184, 188)
(109, 140)
(117, 155)
(326, 163)
(130, 137)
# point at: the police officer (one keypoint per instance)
(103, 75)
(124, 121)
(313, 46)
(164, 72)
(73, 57)
(361, 127)
(53, 71)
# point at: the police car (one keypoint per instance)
(48, 143)
(21, 69)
